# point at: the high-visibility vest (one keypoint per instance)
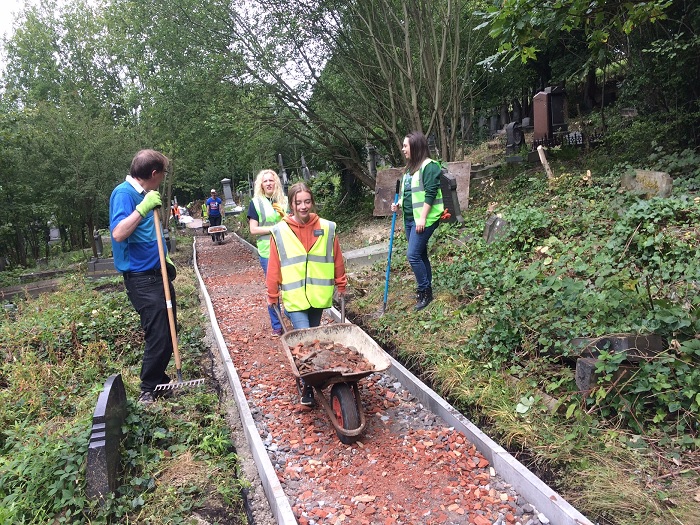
(418, 196)
(205, 215)
(308, 279)
(267, 216)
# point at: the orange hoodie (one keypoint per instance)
(305, 233)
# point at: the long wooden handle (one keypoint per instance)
(166, 289)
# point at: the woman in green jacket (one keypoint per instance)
(421, 199)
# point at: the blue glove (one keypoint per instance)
(150, 201)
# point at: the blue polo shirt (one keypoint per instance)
(139, 252)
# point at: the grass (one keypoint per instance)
(56, 351)
(495, 340)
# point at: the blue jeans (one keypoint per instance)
(417, 253)
(305, 318)
(274, 320)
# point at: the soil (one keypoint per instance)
(407, 467)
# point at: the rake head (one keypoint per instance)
(175, 385)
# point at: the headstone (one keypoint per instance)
(385, 190)
(648, 183)
(557, 108)
(448, 186)
(515, 139)
(102, 468)
(462, 172)
(543, 124)
(229, 203)
(495, 227)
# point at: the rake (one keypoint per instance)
(171, 317)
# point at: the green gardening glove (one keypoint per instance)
(170, 266)
(150, 201)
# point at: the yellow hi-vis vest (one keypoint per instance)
(418, 196)
(267, 216)
(308, 279)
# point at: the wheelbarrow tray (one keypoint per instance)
(346, 334)
(216, 229)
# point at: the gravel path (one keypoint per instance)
(408, 467)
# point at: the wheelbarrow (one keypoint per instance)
(344, 408)
(218, 233)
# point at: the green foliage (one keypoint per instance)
(55, 354)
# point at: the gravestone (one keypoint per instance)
(557, 108)
(542, 124)
(385, 190)
(229, 203)
(102, 470)
(448, 186)
(495, 228)
(648, 183)
(462, 172)
(515, 139)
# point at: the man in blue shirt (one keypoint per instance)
(214, 210)
(135, 250)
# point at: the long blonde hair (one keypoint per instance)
(278, 195)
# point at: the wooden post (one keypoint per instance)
(543, 160)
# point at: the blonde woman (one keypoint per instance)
(266, 209)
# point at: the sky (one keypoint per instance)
(7, 10)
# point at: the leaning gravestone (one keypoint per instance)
(495, 227)
(648, 183)
(102, 469)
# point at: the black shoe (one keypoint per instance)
(146, 398)
(307, 398)
(425, 297)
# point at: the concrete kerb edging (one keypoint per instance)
(533, 489)
(279, 504)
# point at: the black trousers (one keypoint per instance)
(147, 296)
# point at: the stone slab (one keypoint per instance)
(366, 256)
(635, 347)
(648, 183)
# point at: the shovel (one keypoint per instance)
(171, 317)
(391, 246)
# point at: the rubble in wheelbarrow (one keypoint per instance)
(317, 356)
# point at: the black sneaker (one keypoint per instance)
(307, 398)
(146, 398)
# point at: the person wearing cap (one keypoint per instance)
(214, 211)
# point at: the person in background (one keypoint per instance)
(215, 211)
(305, 264)
(136, 256)
(421, 198)
(266, 209)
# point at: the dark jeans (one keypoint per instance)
(274, 320)
(214, 220)
(417, 253)
(148, 298)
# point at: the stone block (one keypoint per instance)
(587, 378)
(648, 183)
(635, 347)
(103, 461)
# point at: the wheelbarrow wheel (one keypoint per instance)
(345, 410)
